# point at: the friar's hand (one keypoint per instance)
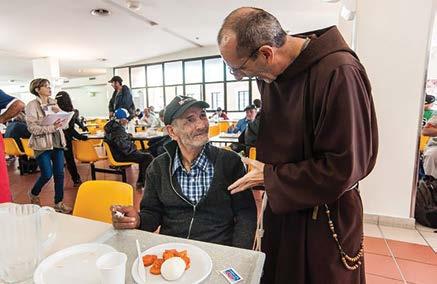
(253, 178)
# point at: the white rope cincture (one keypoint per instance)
(260, 225)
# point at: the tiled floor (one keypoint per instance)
(392, 255)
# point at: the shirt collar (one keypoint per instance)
(201, 161)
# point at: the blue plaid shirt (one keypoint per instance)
(196, 182)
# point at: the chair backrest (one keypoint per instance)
(252, 155)
(214, 130)
(223, 126)
(138, 144)
(27, 150)
(140, 129)
(111, 159)
(423, 142)
(11, 147)
(84, 151)
(95, 197)
(92, 129)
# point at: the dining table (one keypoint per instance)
(73, 230)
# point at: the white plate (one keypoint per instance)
(200, 264)
(76, 264)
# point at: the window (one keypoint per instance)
(156, 98)
(214, 70)
(205, 79)
(138, 96)
(124, 74)
(255, 91)
(193, 72)
(154, 75)
(173, 91)
(237, 95)
(194, 91)
(243, 99)
(173, 73)
(138, 75)
(214, 95)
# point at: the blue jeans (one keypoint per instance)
(51, 162)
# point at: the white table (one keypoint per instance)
(76, 230)
(247, 263)
(72, 230)
(224, 139)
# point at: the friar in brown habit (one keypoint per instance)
(317, 139)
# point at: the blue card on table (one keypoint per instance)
(231, 275)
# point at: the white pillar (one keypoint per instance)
(48, 68)
(392, 43)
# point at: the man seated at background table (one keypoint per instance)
(186, 188)
(122, 147)
(149, 119)
(242, 123)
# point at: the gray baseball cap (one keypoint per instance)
(179, 105)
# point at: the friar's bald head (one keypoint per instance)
(248, 28)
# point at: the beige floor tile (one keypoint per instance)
(404, 235)
(422, 228)
(371, 230)
(431, 239)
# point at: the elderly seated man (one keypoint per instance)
(242, 123)
(187, 187)
(149, 119)
(122, 147)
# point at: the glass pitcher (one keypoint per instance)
(25, 232)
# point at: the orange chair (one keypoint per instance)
(29, 151)
(214, 130)
(85, 152)
(94, 199)
(224, 125)
(257, 194)
(423, 142)
(141, 144)
(117, 167)
(12, 149)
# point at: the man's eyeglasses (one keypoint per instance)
(237, 70)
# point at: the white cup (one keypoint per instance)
(112, 267)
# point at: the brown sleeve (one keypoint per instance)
(344, 148)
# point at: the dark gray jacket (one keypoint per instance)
(123, 100)
(219, 217)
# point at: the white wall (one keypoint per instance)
(90, 97)
(392, 38)
(186, 53)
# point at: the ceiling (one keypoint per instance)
(66, 29)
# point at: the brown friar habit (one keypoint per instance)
(318, 137)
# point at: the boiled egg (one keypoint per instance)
(173, 268)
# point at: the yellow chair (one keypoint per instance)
(423, 142)
(139, 146)
(257, 194)
(85, 152)
(94, 199)
(12, 149)
(92, 129)
(223, 126)
(140, 129)
(252, 155)
(118, 167)
(214, 130)
(29, 151)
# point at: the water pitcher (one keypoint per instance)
(25, 231)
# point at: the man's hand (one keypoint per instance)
(130, 220)
(253, 178)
